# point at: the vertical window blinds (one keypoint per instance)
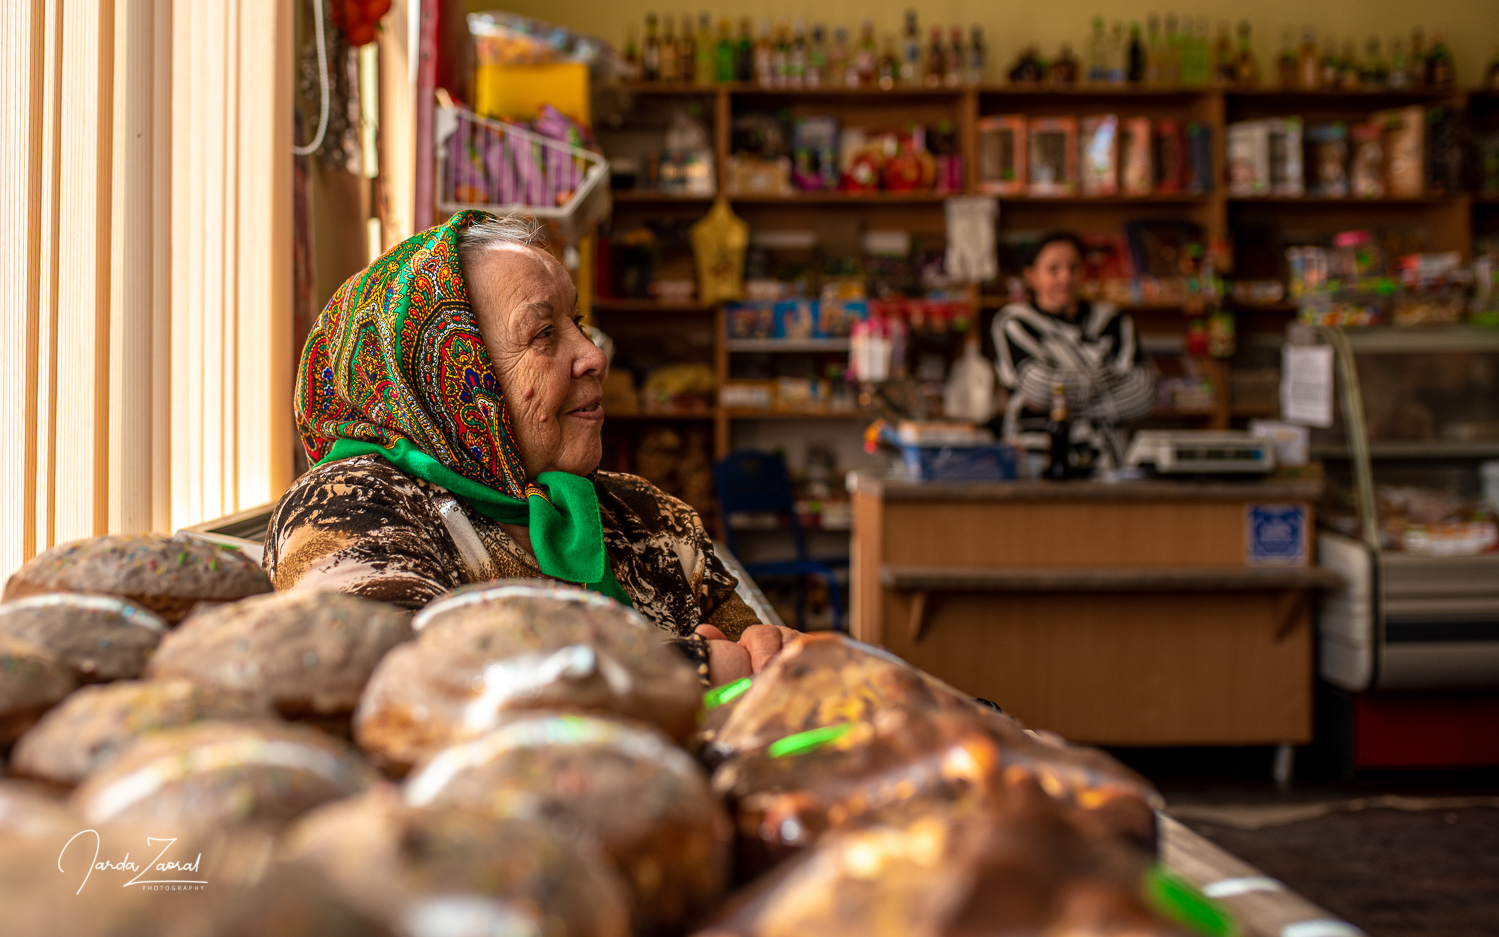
(145, 248)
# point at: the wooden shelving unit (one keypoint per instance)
(1451, 219)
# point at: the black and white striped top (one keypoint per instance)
(1095, 357)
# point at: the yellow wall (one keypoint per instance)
(1472, 26)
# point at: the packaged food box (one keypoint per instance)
(1001, 155)
(1052, 161)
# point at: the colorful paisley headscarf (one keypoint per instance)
(395, 366)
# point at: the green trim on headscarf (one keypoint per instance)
(395, 367)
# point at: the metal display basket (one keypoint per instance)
(505, 169)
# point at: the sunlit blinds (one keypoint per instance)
(145, 367)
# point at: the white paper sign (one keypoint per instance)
(1306, 385)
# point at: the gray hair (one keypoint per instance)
(496, 230)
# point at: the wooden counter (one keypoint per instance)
(1140, 613)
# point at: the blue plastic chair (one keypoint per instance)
(749, 481)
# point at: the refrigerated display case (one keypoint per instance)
(1416, 418)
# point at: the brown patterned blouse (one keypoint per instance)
(362, 526)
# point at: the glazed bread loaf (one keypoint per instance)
(833, 729)
(415, 868)
(88, 730)
(29, 810)
(221, 774)
(642, 798)
(32, 681)
(168, 575)
(303, 653)
(101, 637)
(1018, 868)
(506, 646)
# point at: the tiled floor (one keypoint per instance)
(1400, 854)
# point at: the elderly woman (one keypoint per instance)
(450, 404)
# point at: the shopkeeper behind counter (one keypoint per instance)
(1087, 347)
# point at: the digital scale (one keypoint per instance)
(1201, 452)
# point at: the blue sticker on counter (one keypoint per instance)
(1277, 534)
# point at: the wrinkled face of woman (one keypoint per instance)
(550, 372)
(1056, 276)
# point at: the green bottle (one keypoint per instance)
(725, 56)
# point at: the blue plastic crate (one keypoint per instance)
(993, 462)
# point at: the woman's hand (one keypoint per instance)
(729, 660)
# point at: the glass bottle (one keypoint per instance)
(1374, 74)
(780, 54)
(1171, 44)
(1059, 433)
(1192, 57)
(840, 65)
(957, 58)
(1439, 65)
(668, 49)
(744, 56)
(936, 59)
(910, 51)
(1223, 57)
(1350, 76)
(1153, 50)
(650, 58)
(1098, 54)
(1399, 65)
(1287, 64)
(1064, 70)
(1331, 67)
(866, 58)
(977, 60)
(796, 56)
(817, 58)
(1246, 65)
(764, 75)
(725, 55)
(632, 47)
(887, 68)
(686, 53)
(706, 50)
(1307, 63)
(1136, 70)
(1118, 54)
(1415, 61)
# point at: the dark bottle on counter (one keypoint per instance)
(1059, 431)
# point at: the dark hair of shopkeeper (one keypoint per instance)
(1055, 237)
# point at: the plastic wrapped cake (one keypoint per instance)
(496, 648)
(453, 872)
(645, 801)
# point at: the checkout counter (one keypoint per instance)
(1150, 612)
